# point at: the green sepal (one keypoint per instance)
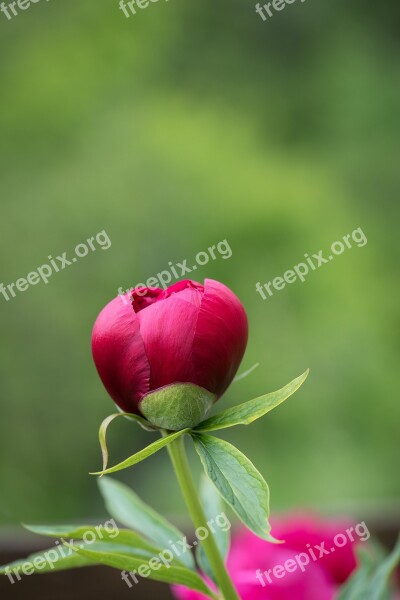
(177, 406)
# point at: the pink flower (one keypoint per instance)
(252, 561)
(151, 338)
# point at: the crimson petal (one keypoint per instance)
(220, 338)
(167, 328)
(119, 354)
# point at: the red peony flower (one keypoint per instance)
(251, 561)
(152, 338)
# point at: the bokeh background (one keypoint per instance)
(188, 124)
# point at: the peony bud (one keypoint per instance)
(170, 354)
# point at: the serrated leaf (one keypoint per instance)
(246, 413)
(213, 506)
(143, 454)
(127, 508)
(125, 537)
(238, 482)
(168, 573)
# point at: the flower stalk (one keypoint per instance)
(183, 474)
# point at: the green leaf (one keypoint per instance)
(238, 482)
(143, 454)
(355, 586)
(213, 507)
(379, 583)
(99, 533)
(97, 537)
(127, 508)
(166, 572)
(48, 561)
(246, 413)
(104, 426)
(371, 581)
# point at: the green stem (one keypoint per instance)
(180, 463)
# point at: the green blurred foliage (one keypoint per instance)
(184, 125)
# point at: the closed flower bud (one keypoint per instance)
(170, 354)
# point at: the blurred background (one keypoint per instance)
(185, 125)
